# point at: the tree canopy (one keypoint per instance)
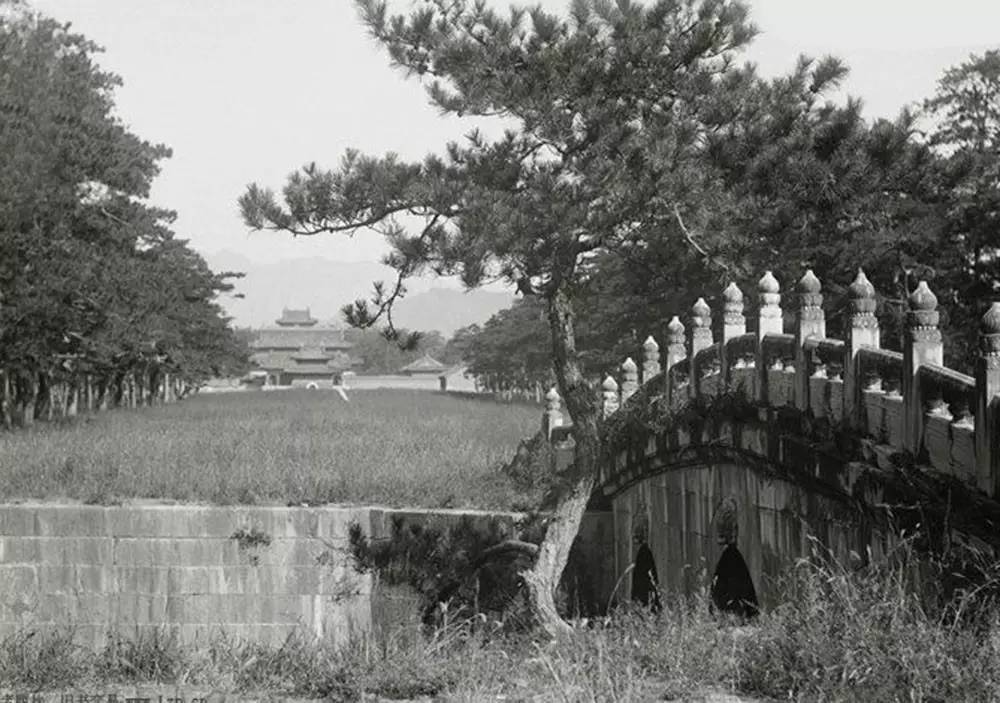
(93, 283)
(641, 167)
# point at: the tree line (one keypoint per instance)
(100, 303)
(643, 165)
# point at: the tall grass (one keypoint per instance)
(841, 635)
(395, 448)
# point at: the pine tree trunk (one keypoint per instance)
(578, 481)
(43, 407)
(72, 403)
(119, 391)
(103, 393)
(6, 399)
(27, 396)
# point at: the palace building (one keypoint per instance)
(298, 351)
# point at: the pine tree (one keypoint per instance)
(607, 113)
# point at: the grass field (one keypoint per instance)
(398, 448)
(840, 635)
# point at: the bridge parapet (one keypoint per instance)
(905, 401)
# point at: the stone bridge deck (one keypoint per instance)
(799, 440)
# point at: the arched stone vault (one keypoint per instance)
(823, 444)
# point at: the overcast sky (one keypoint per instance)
(249, 90)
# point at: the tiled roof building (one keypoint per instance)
(299, 352)
(424, 365)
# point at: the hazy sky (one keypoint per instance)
(248, 90)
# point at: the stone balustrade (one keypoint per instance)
(905, 400)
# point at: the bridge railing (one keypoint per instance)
(906, 400)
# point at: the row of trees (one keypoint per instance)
(643, 166)
(100, 303)
(380, 355)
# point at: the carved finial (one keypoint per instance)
(630, 379)
(701, 327)
(552, 417)
(650, 359)
(769, 319)
(811, 318)
(923, 318)
(610, 393)
(809, 283)
(675, 331)
(923, 299)
(732, 294)
(701, 314)
(734, 323)
(989, 333)
(862, 289)
(768, 284)
(552, 399)
(990, 323)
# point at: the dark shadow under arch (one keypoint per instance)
(645, 585)
(732, 585)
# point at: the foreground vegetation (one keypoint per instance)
(843, 636)
(398, 448)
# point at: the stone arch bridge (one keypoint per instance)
(766, 445)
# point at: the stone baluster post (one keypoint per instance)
(734, 324)
(701, 338)
(675, 352)
(552, 416)
(630, 379)
(863, 331)
(921, 345)
(769, 315)
(769, 321)
(650, 359)
(609, 391)
(811, 322)
(988, 404)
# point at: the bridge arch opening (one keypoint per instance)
(732, 586)
(645, 583)
(732, 590)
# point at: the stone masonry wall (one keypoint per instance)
(254, 572)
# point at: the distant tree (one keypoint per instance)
(512, 351)
(966, 111)
(432, 343)
(381, 354)
(456, 349)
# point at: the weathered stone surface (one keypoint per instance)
(248, 572)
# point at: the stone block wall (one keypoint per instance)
(252, 572)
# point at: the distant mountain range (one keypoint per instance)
(445, 309)
(324, 286)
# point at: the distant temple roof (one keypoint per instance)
(312, 354)
(287, 362)
(299, 347)
(425, 364)
(298, 338)
(296, 318)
